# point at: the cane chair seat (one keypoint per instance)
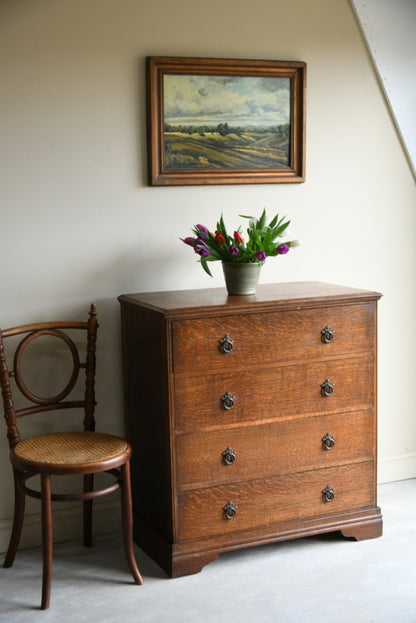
(71, 452)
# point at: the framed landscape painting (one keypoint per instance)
(218, 121)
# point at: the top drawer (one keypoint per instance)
(272, 337)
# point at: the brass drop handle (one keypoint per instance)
(327, 388)
(327, 334)
(229, 456)
(226, 344)
(230, 510)
(228, 401)
(328, 441)
(328, 494)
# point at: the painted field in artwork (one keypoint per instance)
(210, 150)
(226, 123)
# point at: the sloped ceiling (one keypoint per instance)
(389, 29)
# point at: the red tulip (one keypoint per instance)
(219, 238)
(238, 238)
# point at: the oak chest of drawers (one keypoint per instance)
(252, 418)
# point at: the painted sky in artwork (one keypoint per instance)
(237, 100)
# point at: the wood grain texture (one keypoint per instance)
(271, 338)
(265, 449)
(273, 393)
(211, 301)
(268, 500)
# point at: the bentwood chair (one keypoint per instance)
(83, 452)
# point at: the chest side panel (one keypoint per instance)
(146, 389)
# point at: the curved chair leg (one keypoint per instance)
(19, 511)
(47, 539)
(87, 507)
(127, 522)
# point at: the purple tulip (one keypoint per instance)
(282, 249)
(189, 240)
(202, 229)
(261, 255)
(202, 250)
(233, 250)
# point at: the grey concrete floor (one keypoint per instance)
(324, 579)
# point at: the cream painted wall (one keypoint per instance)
(79, 223)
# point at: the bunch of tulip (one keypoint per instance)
(263, 240)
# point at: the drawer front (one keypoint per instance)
(271, 337)
(238, 454)
(220, 400)
(277, 500)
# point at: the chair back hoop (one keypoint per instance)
(41, 403)
(18, 372)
